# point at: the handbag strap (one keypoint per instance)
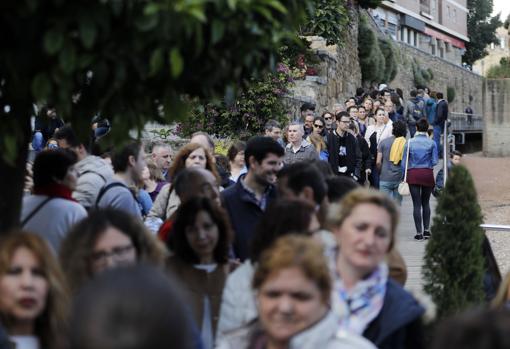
(37, 209)
(407, 160)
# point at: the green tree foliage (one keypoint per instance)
(131, 60)
(507, 23)
(376, 55)
(390, 62)
(328, 19)
(421, 76)
(501, 71)
(453, 263)
(369, 3)
(481, 29)
(262, 100)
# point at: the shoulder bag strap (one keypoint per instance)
(407, 160)
(37, 209)
(106, 188)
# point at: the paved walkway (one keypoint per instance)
(412, 250)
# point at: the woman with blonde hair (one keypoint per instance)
(367, 301)
(33, 294)
(107, 239)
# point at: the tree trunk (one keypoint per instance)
(12, 171)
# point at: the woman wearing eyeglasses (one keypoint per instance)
(107, 239)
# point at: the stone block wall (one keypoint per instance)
(465, 82)
(338, 77)
(496, 137)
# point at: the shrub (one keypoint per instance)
(421, 76)
(329, 19)
(390, 66)
(371, 58)
(450, 94)
(261, 101)
(453, 263)
(501, 71)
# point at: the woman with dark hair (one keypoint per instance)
(281, 218)
(420, 176)
(131, 308)
(33, 293)
(107, 239)
(200, 242)
(293, 289)
(235, 156)
(51, 211)
(167, 201)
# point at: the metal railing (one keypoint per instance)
(466, 122)
(495, 227)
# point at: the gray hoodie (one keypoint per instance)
(94, 173)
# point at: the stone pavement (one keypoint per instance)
(412, 250)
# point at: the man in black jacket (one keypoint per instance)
(441, 117)
(344, 151)
(247, 200)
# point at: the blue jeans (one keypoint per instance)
(38, 141)
(412, 129)
(438, 130)
(391, 188)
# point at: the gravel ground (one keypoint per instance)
(492, 181)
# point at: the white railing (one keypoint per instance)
(495, 227)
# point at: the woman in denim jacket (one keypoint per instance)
(420, 176)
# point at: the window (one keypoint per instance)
(454, 15)
(425, 6)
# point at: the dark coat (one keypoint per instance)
(367, 159)
(353, 154)
(244, 214)
(398, 325)
(441, 113)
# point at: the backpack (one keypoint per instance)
(108, 187)
(417, 111)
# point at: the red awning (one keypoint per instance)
(446, 38)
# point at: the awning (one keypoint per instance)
(438, 35)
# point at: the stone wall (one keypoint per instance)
(496, 137)
(338, 77)
(446, 74)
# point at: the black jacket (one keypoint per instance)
(244, 214)
(353, 154)
(441, 113)
(398, 325)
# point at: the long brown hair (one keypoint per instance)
(179, 162)
(50, 327)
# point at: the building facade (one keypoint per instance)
(438, 27)
(496, 52)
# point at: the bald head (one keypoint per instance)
(194, 181)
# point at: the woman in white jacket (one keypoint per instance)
(293, 285)
(238, 301)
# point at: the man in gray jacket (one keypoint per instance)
(93, 171)
(298, 149)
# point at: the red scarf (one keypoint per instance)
(55, 190)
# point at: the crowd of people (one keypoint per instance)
(279, 244)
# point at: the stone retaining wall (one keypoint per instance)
(496, 137)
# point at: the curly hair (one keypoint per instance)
(186, 215)
(179, 162)
(52, 323)
(78, 245)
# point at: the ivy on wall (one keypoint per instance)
(329, 19)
